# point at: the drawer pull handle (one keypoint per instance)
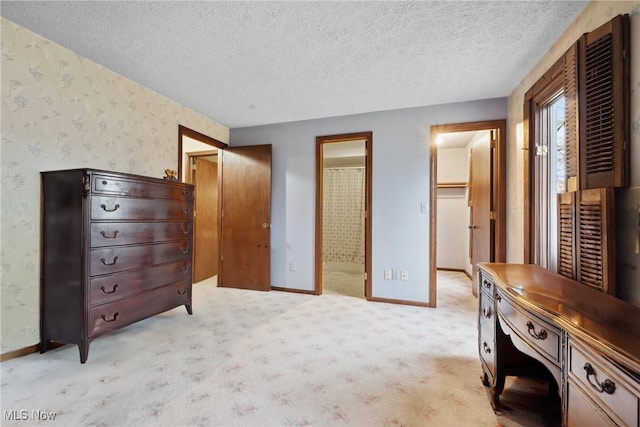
(184, 250)
(186, 210)
(185, 230)
(185, 193)
(487, 284)
(104, 207)
(115, 234)
(115, 316)
(487, 312)
(104, 261)
(607, 386)
(184, 269)
(111, 291)
(498, 298)
(182, 291)
(486, 347)
(542, 335)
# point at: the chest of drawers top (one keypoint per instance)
(108, 183)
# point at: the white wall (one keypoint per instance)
(453, 212)
(62, 111)
(401, 184)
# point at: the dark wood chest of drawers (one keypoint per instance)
(116, 248)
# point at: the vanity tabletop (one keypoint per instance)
(608, 322)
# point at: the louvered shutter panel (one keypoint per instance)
(567, 235)
(596, 239)
(604, 105)
(571, 117)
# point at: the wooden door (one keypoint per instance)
(481, 233)
(246, 218)
(205, 256)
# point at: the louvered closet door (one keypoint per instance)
(567, 235)
(596, 239)
(604, 105)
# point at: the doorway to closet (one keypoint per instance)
(343, 219)
(468, 198)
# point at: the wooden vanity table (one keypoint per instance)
(533, 321)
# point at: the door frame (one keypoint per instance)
(329, 139)
(499, 193)
(185, 131)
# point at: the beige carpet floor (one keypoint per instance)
(267, 359)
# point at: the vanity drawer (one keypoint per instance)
(140, 188)
(582, 411)
(486, 334)
(609, 387)
(123, 233)
(112, 287)
(108, 317)
(542, 336)
(486, 285)
(118, 258)
(124, 208)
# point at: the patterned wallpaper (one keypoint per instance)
(60, 111)
(343, 215)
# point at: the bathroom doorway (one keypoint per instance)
(343, 220)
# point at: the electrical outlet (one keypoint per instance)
(292, 267)
(387, 275)
(404, 275)
(394, 274)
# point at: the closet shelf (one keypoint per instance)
(452, 184)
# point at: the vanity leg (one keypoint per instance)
(188, 307)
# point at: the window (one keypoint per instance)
(548, 178)
(577, 131)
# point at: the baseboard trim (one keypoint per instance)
(26, 351)
(459, 270)
(296, 291)
(402, 302)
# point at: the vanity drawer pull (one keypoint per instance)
(607, 386)
(542, 335)
(486, 347)
(486, 312)
(487, 284)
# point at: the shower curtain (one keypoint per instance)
(343, 215)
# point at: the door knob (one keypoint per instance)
(472, 227)
(265, 225)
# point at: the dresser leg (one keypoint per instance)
(44, 345)
(84, 351)
(188, 307)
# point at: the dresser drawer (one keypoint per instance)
(123, 233)
(140, 188)
(118, 258)
(609, 387)
(124, 208)
(486, 333)
(542, 336)
(104, 289)
(108, 317)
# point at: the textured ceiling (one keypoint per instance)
(251, 63)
